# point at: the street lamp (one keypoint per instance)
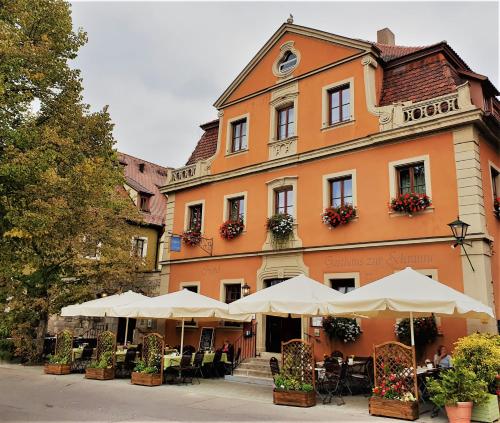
(459, 230)
(245, 290)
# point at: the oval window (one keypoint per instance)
(288, 62)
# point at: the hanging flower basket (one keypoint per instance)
(341, 328)
(231, 229)
(496, 206)
(280, 227)
(192, 236)
(335, 216)
(410, 203)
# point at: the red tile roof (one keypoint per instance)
(389, 52)
(426, 78)
(207, 145)
(148, 181)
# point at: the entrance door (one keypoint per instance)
(280, 329)
(122, 323)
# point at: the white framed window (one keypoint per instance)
(340, 188)
(193, 286)
(287, 61)
(495, 180)
(140, 246)
(283, 118)
(230, 290)
(235, 206)
(238, 134)
(337, 103)
(282, 196)
(194, 215)
(343, 282)
(410, 173)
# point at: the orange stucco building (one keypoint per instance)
(318, 120)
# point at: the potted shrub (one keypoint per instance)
(231, 229)
(457, 389)
(60, 362)
(335, 216)
(291, 391)
(392, 399)
(410, 203)
(146, 375)
(341, 328)
(280, 226)
(57, 365)
(101, 369)
(480, 353)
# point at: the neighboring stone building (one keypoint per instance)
(318, 120)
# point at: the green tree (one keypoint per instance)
(60, 196)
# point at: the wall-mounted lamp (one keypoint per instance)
(459, 230)
(245, 290)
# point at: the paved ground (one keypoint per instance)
(26, 394)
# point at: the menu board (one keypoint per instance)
(206, 339)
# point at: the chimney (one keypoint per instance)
(385, 36)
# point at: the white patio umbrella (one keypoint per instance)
(181, 305)
(298, 296)
(102, 307)
(409, 293)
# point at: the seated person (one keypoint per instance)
(228, 349)
(442, 359)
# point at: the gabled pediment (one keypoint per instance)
(314, 49)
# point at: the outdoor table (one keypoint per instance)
(170, 360)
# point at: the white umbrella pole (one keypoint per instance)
(126, 332)
(182, 336)
(412, 334)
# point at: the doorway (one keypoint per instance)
(280, 329)
(122, 323)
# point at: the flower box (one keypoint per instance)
(146, 379)
(99, 374)
(487, 412)
(57, 369)
(294, 398)
(406, 410)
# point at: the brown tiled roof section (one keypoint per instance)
(426, 78)
(389, 52)
(207, 145)
(148, 181)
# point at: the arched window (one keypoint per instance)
(288, 62)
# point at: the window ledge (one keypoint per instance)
(275, 140)
(338, 125)
(402, 214)
(236, 153)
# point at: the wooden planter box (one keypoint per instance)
(57, 369)
(146, 379)
(294, 398)
(406, 410)
(99, 374)
(487, 412)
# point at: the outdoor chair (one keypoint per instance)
(360, 375)
(188, 349)
(217, 368)
(197, 365)
(185, 369)
(124, 369)
(81, 363)
(275, 367)
(333, 383)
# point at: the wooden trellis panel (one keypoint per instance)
(152, 352)
(64, 344)
(395, 358)
(298, 360)
(106, 342)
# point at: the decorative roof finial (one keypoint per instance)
(290, 19)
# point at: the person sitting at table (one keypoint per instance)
(442, 359)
